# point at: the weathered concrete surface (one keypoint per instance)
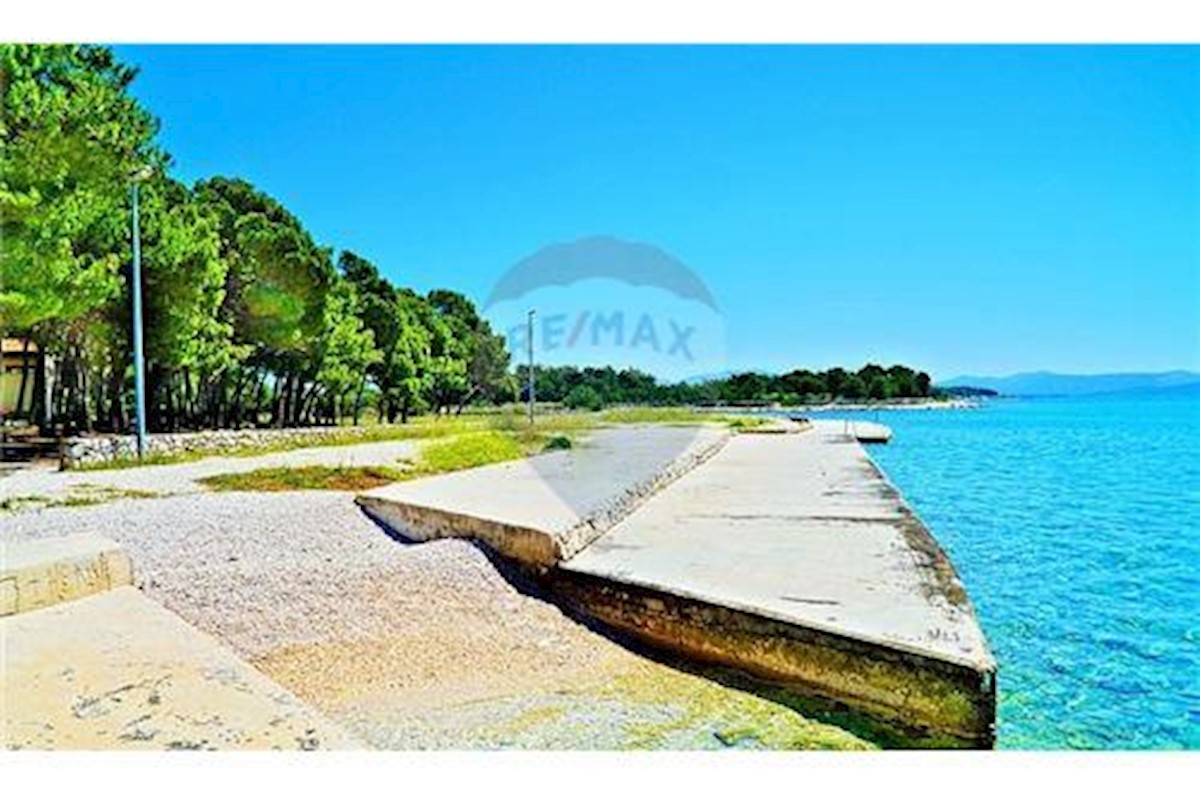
(116, 670)
(37, 574)
(788, 556)
(805, 531)
(779, 425)
(544, 509)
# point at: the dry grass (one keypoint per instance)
(306, 478)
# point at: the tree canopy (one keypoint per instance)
(594, 387)
(247, 319)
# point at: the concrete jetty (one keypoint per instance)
(794, 559)
(789, 557)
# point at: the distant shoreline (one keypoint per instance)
(913, 404)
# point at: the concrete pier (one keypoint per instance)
(793, 558)
(789, 557)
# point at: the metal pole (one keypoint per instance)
(139, 366)
(529, 342)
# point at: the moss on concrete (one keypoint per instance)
(731, 717)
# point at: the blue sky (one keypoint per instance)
(962, 209)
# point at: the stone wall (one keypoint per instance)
(90, 450)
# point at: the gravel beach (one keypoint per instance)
(411, 646)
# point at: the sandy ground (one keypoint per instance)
(411, 646)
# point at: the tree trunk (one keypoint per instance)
(116, 408)
(358, 398)
(24, 379)
(40, 409)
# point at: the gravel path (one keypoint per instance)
(410, 646)
(180, 478)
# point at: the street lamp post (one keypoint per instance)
(139, 361)
(529, 342)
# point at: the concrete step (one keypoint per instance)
(39, 573)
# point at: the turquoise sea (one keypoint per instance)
(1075, 524)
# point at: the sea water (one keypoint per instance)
(1075, 524)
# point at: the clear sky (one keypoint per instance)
(983, 210)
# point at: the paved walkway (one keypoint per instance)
(180, 478)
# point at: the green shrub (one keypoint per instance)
(584, 397)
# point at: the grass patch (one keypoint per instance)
(307, 478)
(547, 423)
(467, 451)
(77, 496)
(423, 427)
(16, 504)
(152, 459)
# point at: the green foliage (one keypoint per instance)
(597, 387)
(346, 347)
(583, 397)
(247, 322)
(71, 136)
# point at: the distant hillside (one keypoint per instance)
(968, 391)
(1043, 384)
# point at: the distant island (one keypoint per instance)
(1047, 384)
(968, 391)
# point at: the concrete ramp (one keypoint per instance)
(541, 510)
(88, 662)
(793, 558)
(116, 670)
